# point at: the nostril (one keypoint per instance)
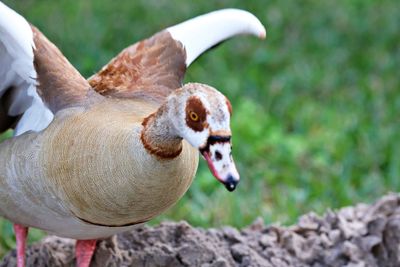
(218, 155)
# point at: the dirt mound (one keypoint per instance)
(364, 235)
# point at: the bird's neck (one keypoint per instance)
(159, 136)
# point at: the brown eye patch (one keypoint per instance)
(196, 114)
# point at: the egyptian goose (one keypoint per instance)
(90, 159)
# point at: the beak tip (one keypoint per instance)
(230, 187)
(231, 183)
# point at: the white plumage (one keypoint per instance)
(202, 32)
(17, 72)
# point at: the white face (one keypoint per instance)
(202, 117)
(200, 112)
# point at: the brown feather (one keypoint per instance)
(169, 150)
(150, 69)
(59, 84)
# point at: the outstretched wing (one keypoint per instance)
(154, 67)
(35, 78)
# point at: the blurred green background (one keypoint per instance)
(316, 106)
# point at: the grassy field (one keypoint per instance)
(316, 106)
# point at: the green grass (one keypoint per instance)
(316, 119)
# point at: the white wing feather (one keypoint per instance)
(17, 72)
(202, 32)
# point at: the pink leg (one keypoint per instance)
(20, 234)
(84, 250)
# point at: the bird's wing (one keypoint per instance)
(35, 78)
(152, 68)
(148, 68)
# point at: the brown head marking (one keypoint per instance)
(196, 114)
(228, 103)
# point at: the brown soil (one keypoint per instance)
(364, 235)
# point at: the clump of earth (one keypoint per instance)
(359, 236)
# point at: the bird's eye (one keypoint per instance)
(193, 116)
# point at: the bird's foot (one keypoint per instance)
(84, 250)
(21, 233)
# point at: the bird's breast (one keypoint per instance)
(99, 168)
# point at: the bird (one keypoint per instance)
(94, 157)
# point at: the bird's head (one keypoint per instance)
(202, 117)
